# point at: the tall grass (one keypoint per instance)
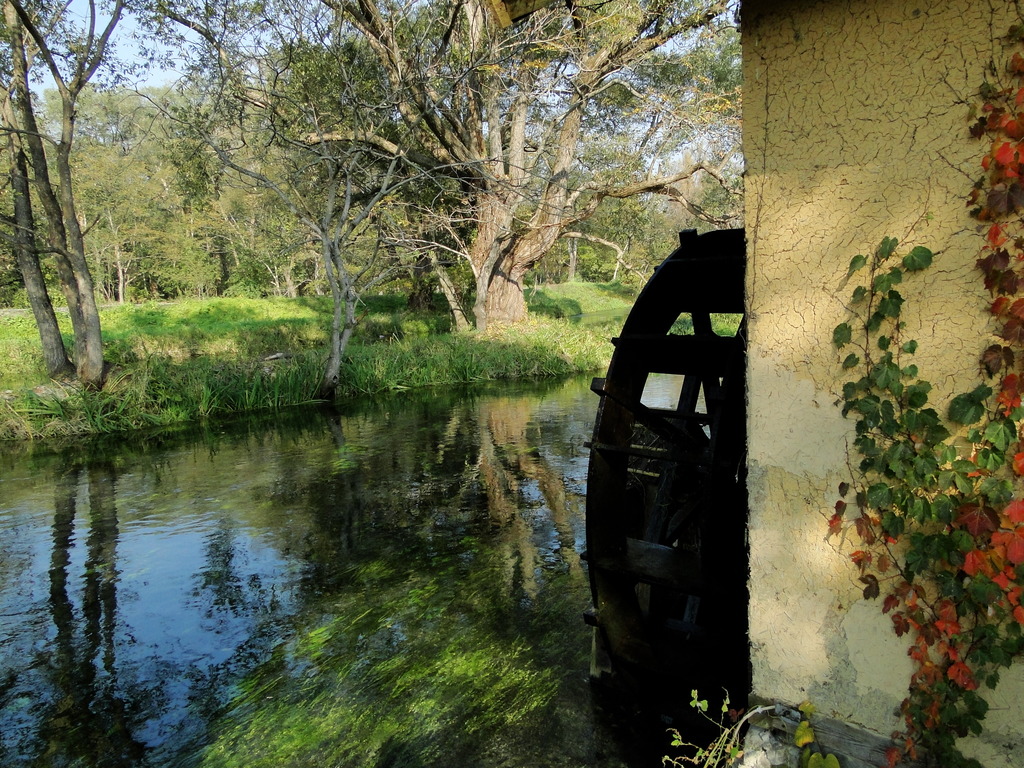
(159, 392)
(175, 363)
(539, 348)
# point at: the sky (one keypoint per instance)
(128, 40)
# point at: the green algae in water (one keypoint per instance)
(424, 676)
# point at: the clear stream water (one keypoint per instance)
(394, 583)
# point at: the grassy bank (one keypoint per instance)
(187, 361)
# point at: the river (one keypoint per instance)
(391, 583)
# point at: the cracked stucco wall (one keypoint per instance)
(855, 128)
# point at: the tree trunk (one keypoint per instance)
(451, 295)
(88, 338)
(55, 355)
(64, 234)
(343, 322)
(505, 303)
(421, 293)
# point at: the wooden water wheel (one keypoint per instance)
(666, 494)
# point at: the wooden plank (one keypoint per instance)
(654, 564)
(855, 747)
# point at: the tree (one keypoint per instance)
(296, 107)
(70, 57)
(124, 186)
(508, 112)
(23, 243)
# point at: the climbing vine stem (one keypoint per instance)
(936, 506)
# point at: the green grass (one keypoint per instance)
(570, 299)
(191, 360)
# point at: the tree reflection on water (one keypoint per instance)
(393, 584)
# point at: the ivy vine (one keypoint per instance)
(937, 507)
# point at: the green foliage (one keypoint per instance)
(199, 359)
(941, 534)
(726, 748)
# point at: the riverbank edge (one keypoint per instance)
(161, 392)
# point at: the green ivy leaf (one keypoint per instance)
(879, 495)
(1000, 433)
(842, 335)
(917, 394)
(857, 262)
(859, 294)
(884, 342)
(893, 524)
(804, 734)
(818, 760)
(885, 375)
(851, 361)
(969, 407)
(910, 347)
(963, 540)
(919, 258)
(890, 305)
(886, 247)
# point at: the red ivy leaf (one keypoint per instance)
(893, 754)
(1014, 129)
(865, 529)
(1018, 463)
(1015, 549)
(1008, 282)
(992, 266)
(975, 561)
(901, 625)
(978, 520)
(1018, 614)
(861, 559)
(995, 235)
(890, 602)
(871, 590)
(835, 524)
(1003, 579)
(1013, 331)
(1015, 509)
(1005, 154)
(961, 674)
(998, 200)
(947, 611)
(997, 356)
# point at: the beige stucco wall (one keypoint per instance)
(855, 128)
